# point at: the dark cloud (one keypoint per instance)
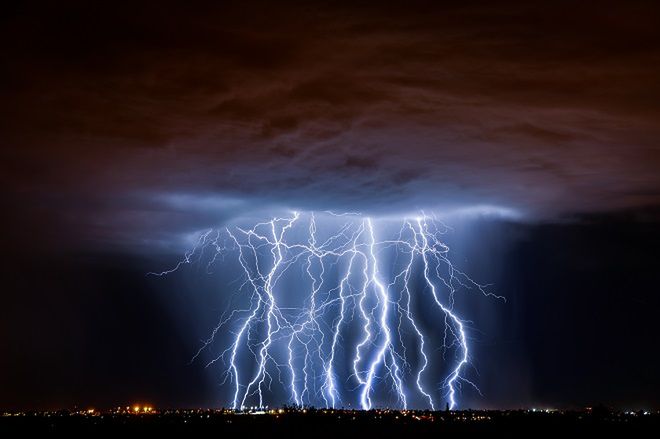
(127, 127)
(547, 109)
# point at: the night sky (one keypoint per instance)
(127, 129)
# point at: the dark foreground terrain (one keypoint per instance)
(322, 422)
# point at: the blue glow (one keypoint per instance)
(336, 311)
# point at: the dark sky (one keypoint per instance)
(127, 128)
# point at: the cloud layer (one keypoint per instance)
(547, 108)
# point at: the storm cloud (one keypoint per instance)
(111, 112)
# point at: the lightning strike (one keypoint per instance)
(339, 314)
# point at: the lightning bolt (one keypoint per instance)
(360, 325)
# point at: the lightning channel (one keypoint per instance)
(334, 311)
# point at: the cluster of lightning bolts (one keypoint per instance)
(347, 282)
